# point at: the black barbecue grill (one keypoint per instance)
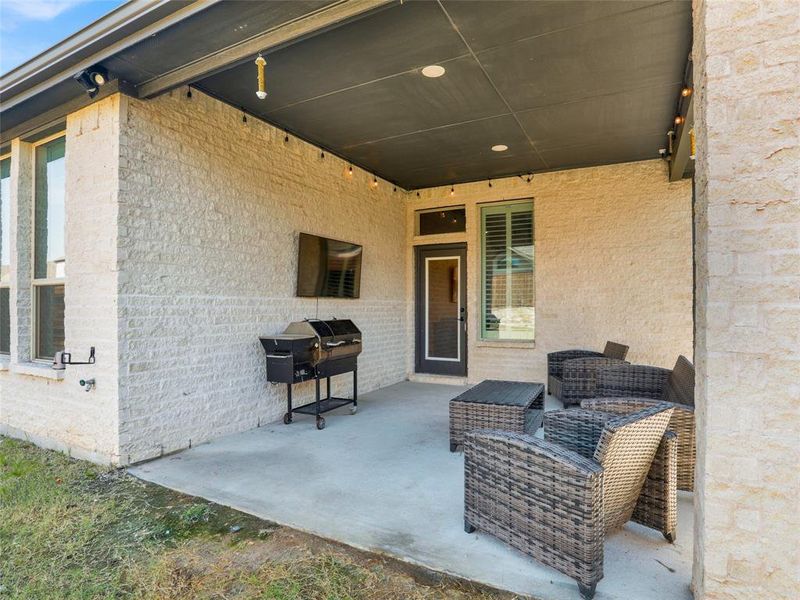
(314, 349)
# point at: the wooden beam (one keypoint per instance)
(315, 22)
(682, 145)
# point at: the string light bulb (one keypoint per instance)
(678, 120)
(350, 170)
(374, 182)
(686, 92)
(452, 191)
(262, 86)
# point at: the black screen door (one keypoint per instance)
(441, 300)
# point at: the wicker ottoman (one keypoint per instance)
(506, 405)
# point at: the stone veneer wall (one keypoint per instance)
(35, 402)
(613, 256)
(747, 81)
(210, 209)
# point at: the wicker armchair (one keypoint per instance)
(555, 499)
(572, 384)
(624, 389)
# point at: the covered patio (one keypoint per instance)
(554, 144)
(384, 480)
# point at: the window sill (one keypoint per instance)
(521, 345)
(34, 369)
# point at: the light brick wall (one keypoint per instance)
(613, 260)
(747, 85)
(210, 209)
(59, 413)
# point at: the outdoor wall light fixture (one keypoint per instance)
(92, 79)
(262, 86)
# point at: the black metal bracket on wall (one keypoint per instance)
(66, 358)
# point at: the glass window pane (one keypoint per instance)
(507, 278)
(5, 219)
(448, 220)
(49, 320)
(5, 321)
(49, 213)
(442, 300)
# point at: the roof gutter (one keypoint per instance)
(18, 85)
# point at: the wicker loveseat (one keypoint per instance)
(555, 499)
(623, 389)
(571, 373)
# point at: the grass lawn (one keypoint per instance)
(71, 529)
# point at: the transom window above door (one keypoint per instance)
(450, 219)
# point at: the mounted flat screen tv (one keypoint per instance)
(328, 268)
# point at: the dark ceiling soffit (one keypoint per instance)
(311, 24)
(60, 112)
(13, 88)
(400, 186)
(294, 134)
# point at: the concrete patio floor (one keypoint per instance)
(384, 480)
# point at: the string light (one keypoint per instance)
(322, 154)
(244, 117)
(679, 120)
(189, 93)
(350, 170)
(374, 182)
(286, 137)
(452, 191)
(490, 183)
(686, 92)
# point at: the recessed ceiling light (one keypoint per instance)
(499, 148)
(433, 71)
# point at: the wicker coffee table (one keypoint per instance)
(506, 405)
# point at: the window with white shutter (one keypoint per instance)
(507, 272)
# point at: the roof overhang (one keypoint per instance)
(564, 84)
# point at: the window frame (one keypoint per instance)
(502, 206)
(44, 281)
(7, 284)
